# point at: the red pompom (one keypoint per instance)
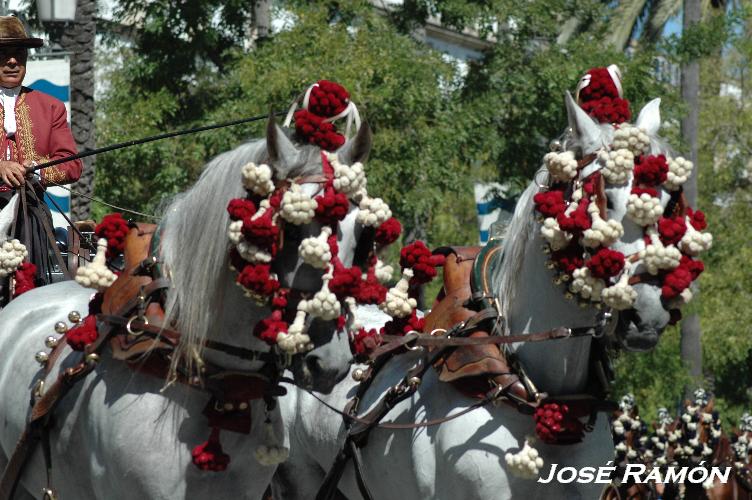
(257, 278)
(332, 206)
(401, 326)
(371, 291)
(650, 170)
(675, 282)
(365, 341)
(24, 277)
(640, 191)
(240, 208)
(554, 424)
(577, 221)
(695, 267)
(314, 130)
(388, 232)
(601, 85)
(671, 230)
(697, 219)
(419, 258)
(550, 203)
(608, 110)
(114, 229)
(280, 299)
(209, 456)
(261, 231)
(328, 99)
(268, 328)
(82, 334)
(345, 281)
(606, 263)
(568, 259)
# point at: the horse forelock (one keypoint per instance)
(195, 247)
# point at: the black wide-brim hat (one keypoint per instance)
(13, 34)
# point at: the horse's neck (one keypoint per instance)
(555, 366)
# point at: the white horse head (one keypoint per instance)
(532, 303)
(208, 304)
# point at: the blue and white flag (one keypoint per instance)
(52, 76)
(494, 206)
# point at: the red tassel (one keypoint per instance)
(82, 334)
(25, 278)
(115, 229)
(209, 456)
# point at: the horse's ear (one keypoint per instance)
(280, 149)
(650, 117)
(585, 131)
(357, 148)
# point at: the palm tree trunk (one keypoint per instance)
(79, 41)
(691, 347)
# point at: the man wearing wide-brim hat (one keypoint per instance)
(34, 130)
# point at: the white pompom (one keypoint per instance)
(561, 166)
(585, 285)
(694, 242)
(555, 237)
(383, 272)
(271, 452)
(348, 179)
(617, 165)
(644, 209)
(622, 295)
(635, 139)
(398, 303)
(297, 207)
(526, 463)
(296, 340)
(96, 274)
(257, 178)
(234, 232)
(315, 251)
(373, 212)
(601, 232)
(324, 303)
(657, 257)
(252, 253)
(679, 171)
(12, 255)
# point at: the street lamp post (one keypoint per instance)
(56, 10)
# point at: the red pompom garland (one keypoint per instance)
(332, 206)
(328, 99)
(268, 328)
(550, 203)
(365, 341)
(671, 230)
(420, 259)
(258, 279)
(577, 221)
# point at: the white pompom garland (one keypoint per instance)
(398, 303)
(561, 166)
(257, 178)
(644, 209)
(297, 207)
(617, 165)
(315, 250)
(635, 139)
(695, 242)
(526, 463)
(96, 274)
(602, 232)
(12, 255)
(679, 171)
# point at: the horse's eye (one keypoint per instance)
(609, 203)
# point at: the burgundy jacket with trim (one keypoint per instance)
(42, 134)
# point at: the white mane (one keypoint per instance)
(195, 246)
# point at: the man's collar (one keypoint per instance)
(10, 92)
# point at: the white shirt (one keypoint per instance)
(8, 97)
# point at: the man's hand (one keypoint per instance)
(12, 173)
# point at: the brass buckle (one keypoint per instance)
(129, 325)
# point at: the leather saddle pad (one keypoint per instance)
(450, 309)
(126, 287)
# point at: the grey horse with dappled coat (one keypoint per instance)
(465, 457)
(124, 435)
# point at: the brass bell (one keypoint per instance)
(92, 358)
(243, 406)
(61, 327)
(413, 382)
(565, 277)
(554, 146)
(557, 280)
(358, 374)
(48, 494)
(550, 265)
(74, 316)
(568, 295)
(229, 407)
(545, 249)
(42, 357)
(51, 342)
